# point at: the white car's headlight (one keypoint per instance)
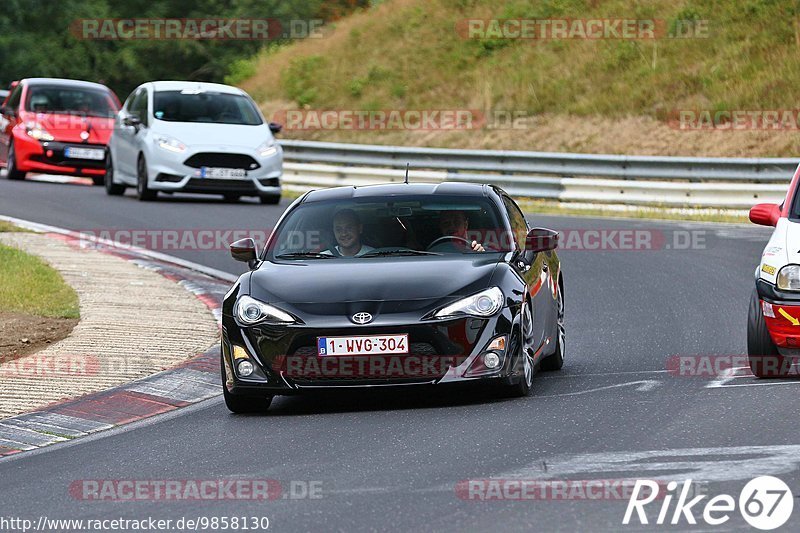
(37, 131)
(170, 144)
(789, 278)
(483, 304)
(250, 311)
(267, 149)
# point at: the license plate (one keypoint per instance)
(362, 345)
(84, 153)
(222, 173)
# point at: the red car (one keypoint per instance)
(57, 126)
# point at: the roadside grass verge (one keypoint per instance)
(28, 285)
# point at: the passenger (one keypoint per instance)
(347, 229)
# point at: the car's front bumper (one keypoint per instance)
(182, 172)
(440, 352)
(48, 157)
(781, 311)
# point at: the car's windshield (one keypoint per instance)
(205, 106)
(70, 100)
(400, 225)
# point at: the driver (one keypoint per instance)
(456, 224)
(347, 229)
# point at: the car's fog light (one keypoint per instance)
(491, 360)
(245, 368)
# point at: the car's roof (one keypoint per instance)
(196, 85)
(397, 189)
(64, 82)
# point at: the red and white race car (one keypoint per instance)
(773, 323)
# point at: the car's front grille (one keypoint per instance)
(209, 185)
(222, 160)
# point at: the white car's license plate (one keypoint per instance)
(222, 173)
(363, 345)
(73, 152)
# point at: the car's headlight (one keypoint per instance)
(37, 131)
(267, 149)
(170, 144)
(789, 278)
(483, 304)
(249, 311)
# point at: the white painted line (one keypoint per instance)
(644, 385)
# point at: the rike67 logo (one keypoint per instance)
(765, 503)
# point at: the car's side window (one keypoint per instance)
(518, 224)
(13, 101)
(139, 106)
(128, 105)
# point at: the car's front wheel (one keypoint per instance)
(112, 189)
(524, 383)
(143, 191)
(11, 165)
(765, 360)
(243, 404)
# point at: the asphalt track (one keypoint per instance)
(394, 460)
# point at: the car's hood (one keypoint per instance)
(68, 128)
(329, 286)
(222, 136)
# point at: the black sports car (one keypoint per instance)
(386, 285)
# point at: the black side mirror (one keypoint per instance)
(245, 250)
(541, 240)
(275, 128)
(132, 120)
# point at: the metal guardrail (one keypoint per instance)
(639, 180)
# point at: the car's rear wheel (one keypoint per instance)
(523, 386)
(556, 360)
(270, 199)
(112, 189)
(143, 192)
(11, 165)
(243, 404)
(765, 360)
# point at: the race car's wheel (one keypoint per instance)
(143, 192)
(112, 189)
(270, 199)
(556, 360)
(11, 165)
(522, 387)
(243, 404)
(765, 361)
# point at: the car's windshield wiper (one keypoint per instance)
(304, 255)
(386, 253)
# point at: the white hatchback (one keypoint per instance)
(180, 136)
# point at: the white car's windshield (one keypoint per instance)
(204, 106)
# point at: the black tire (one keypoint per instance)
(522, 387)
(143, 192)
(556, 360)
(112, 189)
(232, 197)
(243, 404)
(11, 165)
(765, 360)
(98, 181)
(270, 199)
